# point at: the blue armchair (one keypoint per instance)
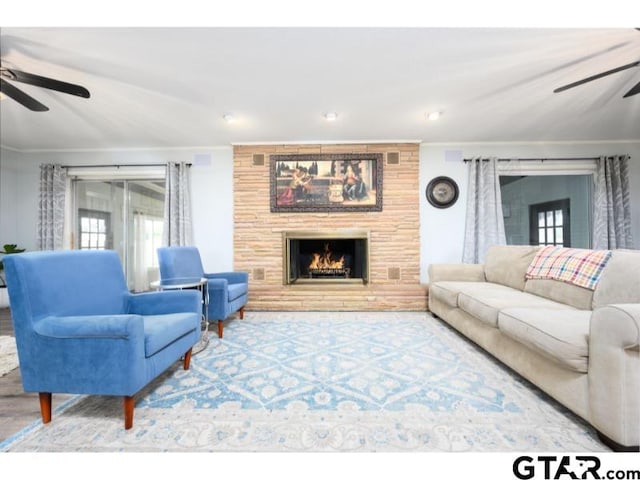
(228, 291)
(79, 330)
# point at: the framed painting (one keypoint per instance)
(341, 182)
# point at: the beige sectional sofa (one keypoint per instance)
(580, 346)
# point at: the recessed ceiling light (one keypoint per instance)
(433, 115)
(227, 117)
(331, 116)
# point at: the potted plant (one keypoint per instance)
(6, 249)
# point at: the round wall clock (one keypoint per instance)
(442, 192)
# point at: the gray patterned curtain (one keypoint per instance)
(611, 204)
(177, 229)
(53, 181)
(484, 224)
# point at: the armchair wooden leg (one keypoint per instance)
(220, 328)
(45, 406)
(187, 359)
(129, 403)
(241, 312)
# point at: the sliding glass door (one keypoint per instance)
(125, 216)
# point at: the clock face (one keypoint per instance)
(442, 192)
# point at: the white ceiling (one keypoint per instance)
(169, 87)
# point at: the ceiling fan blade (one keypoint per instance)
(597, 76)
(633, 91)
(21, 97)
(49, 83)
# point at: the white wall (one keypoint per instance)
(442, 230)
(212, 194)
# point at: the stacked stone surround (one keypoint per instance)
(394, 235)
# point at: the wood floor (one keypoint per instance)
(17, 409)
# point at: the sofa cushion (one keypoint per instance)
(562, 335)
(507, 264)
(622, 272)
(161, 330)
(447, 292)
(486, 305)
(578, 297)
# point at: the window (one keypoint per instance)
(534, 212)
(125, 215)
(550, 223)
(94, 229)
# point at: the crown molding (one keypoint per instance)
(117, 149)
(7, 147)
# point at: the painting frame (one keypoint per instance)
(326, 182)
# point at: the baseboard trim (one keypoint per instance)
(615, 446)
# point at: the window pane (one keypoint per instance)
(84, 241)
(558, 218)
(84, 224)
(549, 219)
(541, 219)
(558, 234)
(102, 226)
(541, 236)
(550, 235)
(146, 209)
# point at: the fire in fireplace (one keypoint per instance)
(323, 265)
(321, 256)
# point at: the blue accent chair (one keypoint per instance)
(80, 331)
(228, 291)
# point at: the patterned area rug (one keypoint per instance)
(8, 354)
(354, 382)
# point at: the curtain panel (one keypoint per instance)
(484, 224)
(612, 204)
(177, 229)
(53, 181)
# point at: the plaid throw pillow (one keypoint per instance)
(577, 266)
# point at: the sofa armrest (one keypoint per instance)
(614, 372)
(461, 272)
(167, 301)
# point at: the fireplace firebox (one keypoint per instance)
(320, 256)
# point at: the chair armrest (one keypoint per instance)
(168, 301)
(90, 326)
(460, 272)
(217, 285)
(614, 372)
(90, 354)
(231, 277)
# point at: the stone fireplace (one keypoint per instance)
(381, 249)
(325, 256)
